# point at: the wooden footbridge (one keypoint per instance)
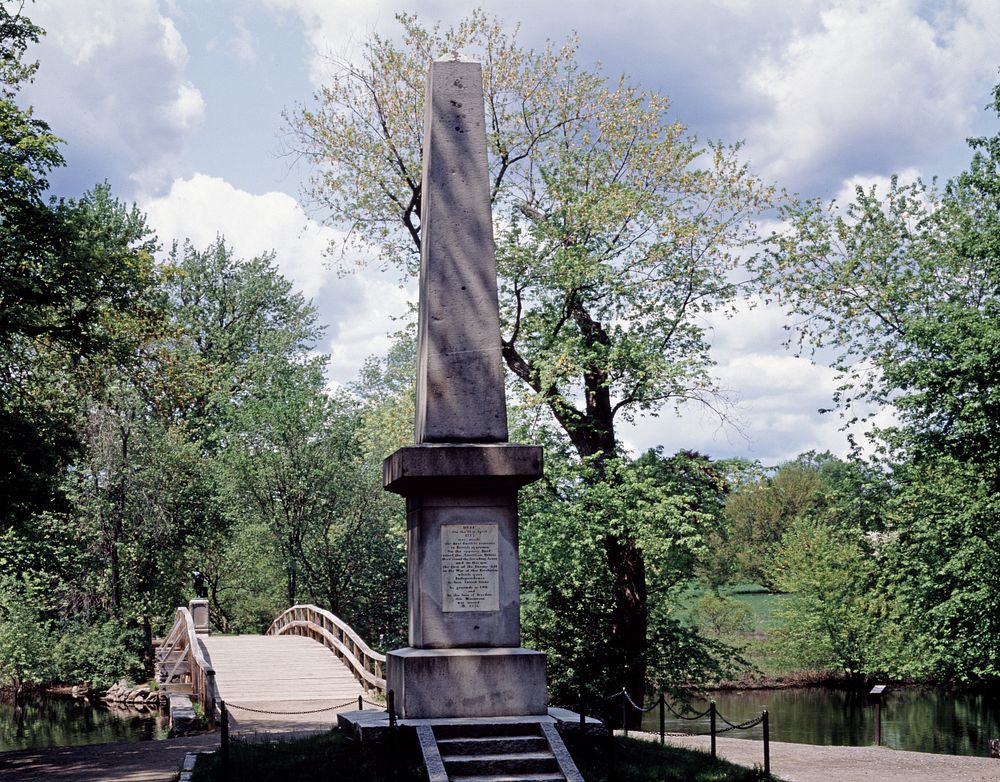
(295, 678)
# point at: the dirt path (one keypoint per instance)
(144, 761)
(810, 763)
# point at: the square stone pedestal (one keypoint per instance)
(497, 682)
(199, 613)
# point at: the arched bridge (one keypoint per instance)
(280, 681)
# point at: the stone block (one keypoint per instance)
(460, 386)
(199, 614)
(421, 468)
(435, 683)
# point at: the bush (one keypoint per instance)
(721, 617)
(25, 644)
(101, 653)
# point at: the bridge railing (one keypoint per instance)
(180, 660)
(327, 628)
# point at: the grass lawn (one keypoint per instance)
(332, 756)
(761, 602)
(637, 760)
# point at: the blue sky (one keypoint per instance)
(178, 104)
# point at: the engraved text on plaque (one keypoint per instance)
(470, 567)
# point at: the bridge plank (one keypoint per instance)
(279, 673)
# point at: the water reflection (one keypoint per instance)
(48, 720)
(913, 718)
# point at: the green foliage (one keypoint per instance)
(829, 616)
(942, 576)
(26, 635)
(669, 505)
(722, 617)
(759, 513)
(100, 654)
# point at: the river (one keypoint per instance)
(49, 720)
(922, 719)
(913, 718)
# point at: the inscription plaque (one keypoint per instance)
(470, 567)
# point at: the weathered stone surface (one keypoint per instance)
(199, 614)
(460, 388)
(432, 683)
(418, 468)
(182, 717)
(431, 626)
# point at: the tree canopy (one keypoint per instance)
(615, 233)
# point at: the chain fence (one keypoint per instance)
(713, 714)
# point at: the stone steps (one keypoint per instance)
(483, 745)
(506, 778)
(496, 752)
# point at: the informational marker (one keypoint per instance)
(470, 567)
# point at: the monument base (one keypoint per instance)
(497, 682)
(199, 613)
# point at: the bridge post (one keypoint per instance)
(199, 613)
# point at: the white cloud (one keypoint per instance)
(173, 45)
(877, 87)
(202, 207)
(113, 84)
(357, 309)
(187, 109)
(243, 44)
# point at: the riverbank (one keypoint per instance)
(811, 763)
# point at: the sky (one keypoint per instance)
(179, 103)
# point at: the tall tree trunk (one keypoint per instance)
(630, 617)
(147, 646)
(118, 523)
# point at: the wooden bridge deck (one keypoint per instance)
(280, 673)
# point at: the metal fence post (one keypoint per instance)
(663, 716)
(361, 703)
(224, 735)
(711, 715)
(625, 712)
(767, 745)
(390, 698)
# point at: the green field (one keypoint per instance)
(761, 602)
(753, 630)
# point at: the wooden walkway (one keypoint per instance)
(273, 675)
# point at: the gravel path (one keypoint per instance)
(810, 763)
(144, 761)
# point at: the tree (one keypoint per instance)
(907, 287)
(833, 604)
(670, 504)
(234, 325)
(759, 513)
(297, 470)
(70, 272)
(940, 578)
(614, 231)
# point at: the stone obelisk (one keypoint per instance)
(460, 478)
